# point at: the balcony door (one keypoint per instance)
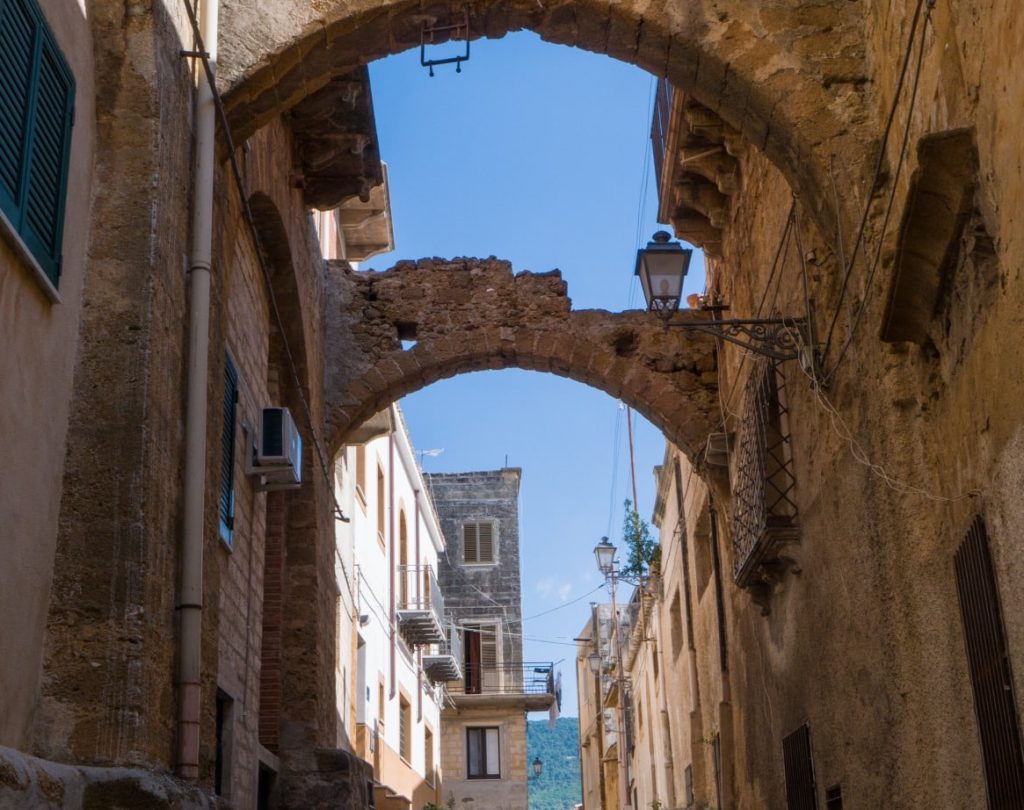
(480, 643)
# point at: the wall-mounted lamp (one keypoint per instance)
(662, 267)
(538, 767)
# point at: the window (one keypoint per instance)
(227, 451)
(223, 744)
(834, 798)
(380, 504)
(37, 95)
(380, 702)
(361, 473)
(483, 760)
(428, 755)
(676, 613)
(989, 666)
(404, 729)
(478, 542)
(688, 785)
(796, 757)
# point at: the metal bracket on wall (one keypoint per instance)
(434, 35)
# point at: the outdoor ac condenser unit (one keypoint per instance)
(278, 448)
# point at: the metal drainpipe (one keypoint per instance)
(190, 603)
(391, 546)
(419, 601)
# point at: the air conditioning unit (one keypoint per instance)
(277, 456)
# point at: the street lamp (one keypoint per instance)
(604, 553)
(538, 767)
(662, 266)
(594, 659)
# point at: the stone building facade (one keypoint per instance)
(891, 132)
(483, 750)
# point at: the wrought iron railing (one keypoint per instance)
(659, 125)
(519, 678)
(764, 485)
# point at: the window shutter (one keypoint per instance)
(36, 106)
(48, 159)
(796, 755)
(18, 29)
(227, 446)
(489, 647)
(988, 661)
(485, 536)
(469, 543)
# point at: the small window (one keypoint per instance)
(478, 542)
(361, 473)
(428, 755)
(223, 744)
(380, 503)
(37, 94)
(483, 760)
(834, 798)
(676, 612)
(796, 757)
(404, 729)
(688, 785)
(227, 450)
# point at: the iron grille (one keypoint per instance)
(764, 505)
(991, 681)
(796, 755)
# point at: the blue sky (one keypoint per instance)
(537, 154)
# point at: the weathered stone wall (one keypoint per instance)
(477, 592)
(507, 793)
(471, 314)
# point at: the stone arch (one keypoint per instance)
(473, 314)
(789, 77)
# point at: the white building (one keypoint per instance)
(389, 550)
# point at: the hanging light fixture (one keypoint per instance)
(662, 266)
(604, 553)
(594, 659)
(538, 767)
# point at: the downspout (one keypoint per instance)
(391, 567)
(190, 603)
(419, 601)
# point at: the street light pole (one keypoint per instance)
(605, 553)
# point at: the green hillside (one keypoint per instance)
(558, 787)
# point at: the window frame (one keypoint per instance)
(482, 732)
(44, 260)
(476, 542)
(228, 449)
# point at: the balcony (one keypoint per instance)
(764, 517)
(443, 662)
(530, 683)
(420, 606)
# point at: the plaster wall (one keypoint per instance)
(39, 337)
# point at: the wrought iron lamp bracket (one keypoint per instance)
(778, 338)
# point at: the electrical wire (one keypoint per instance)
(876, 175)
(565, 605)
(900, 164)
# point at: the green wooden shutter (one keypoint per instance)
(18, 29)
(37, 94)
(50, 144)
(227, 449)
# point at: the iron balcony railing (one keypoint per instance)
(764, 485)
(660, 125)
(442, 662)
(519, 678)
(420, 605)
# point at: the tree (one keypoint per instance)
(644, 552)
